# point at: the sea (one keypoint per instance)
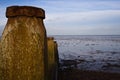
(89, 52)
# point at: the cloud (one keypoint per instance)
(91, 16)
(3, 20)
(1, 29)
(103, 29)
(92, 22)
(79, 5)
(74, 16)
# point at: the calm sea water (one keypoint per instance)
(95, 52)
(92, 37)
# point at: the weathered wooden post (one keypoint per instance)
(52, 58)
(56, 60)
(24, 44)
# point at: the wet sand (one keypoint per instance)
(75, 74)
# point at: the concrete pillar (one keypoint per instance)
(52, 59)
(24, 44)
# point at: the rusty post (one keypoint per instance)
(24, 44)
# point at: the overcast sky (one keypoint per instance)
(73, 17)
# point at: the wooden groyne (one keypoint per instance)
(52, 59)
(23, 46)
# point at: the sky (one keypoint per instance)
(73, 17)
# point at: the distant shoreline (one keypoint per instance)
(83, 35)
